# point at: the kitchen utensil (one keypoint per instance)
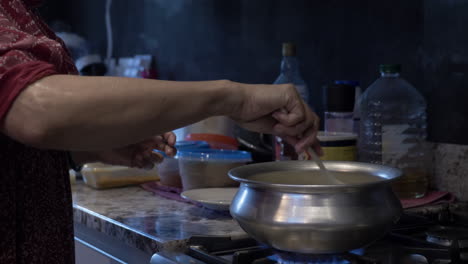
(315, 219)
(212, 198)
(324, 170)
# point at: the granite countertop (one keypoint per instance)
(148, 222)
(152, 223)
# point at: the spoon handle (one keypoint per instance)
(324, 170)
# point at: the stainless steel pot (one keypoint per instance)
(315, 219)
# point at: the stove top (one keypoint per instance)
(414, 240)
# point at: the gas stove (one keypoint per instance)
(436, 239)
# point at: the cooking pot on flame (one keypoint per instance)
(315, 219)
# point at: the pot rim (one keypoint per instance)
(386, 173)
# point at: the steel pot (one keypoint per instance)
(315, 219)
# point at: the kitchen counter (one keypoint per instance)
(144, 221)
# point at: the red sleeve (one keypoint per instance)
(18, 77)
(28, 52)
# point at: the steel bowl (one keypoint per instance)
(315, 219)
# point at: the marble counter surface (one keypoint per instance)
(145, 221)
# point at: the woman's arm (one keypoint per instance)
(101, 113)
(89, 113)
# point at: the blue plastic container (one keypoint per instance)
(168, 170)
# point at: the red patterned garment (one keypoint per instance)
(35, 199)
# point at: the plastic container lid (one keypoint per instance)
(186, 144)
(214, 155)
(336, 136)
(337, 139)
(214, 139)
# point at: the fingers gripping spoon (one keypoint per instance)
(319, 162)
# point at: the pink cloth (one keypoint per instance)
(172, 193)
(434, 197)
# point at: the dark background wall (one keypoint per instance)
(241, 40)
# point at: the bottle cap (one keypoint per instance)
(340, 98)
(390, 68)
(289, 49)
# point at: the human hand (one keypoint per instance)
(139, 155)
(278, 110)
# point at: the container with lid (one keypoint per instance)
(356, 110)
(208, 168)
(215, 141)
(339, 104)
(189, 144)
(169, 168)
(338, 146)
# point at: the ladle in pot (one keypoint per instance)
(319, 162)
(323, 169)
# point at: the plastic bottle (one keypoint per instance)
(290, 71)
(393, 130)
(290, 74)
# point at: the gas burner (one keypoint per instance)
(445, 235)
(296, 258)
(355, 256)
(415, 240)
(455, 238)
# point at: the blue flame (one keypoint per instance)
(359, 251)
(332, 259)
(317, 259)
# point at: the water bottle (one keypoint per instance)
(290, 74)
(393, 130)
